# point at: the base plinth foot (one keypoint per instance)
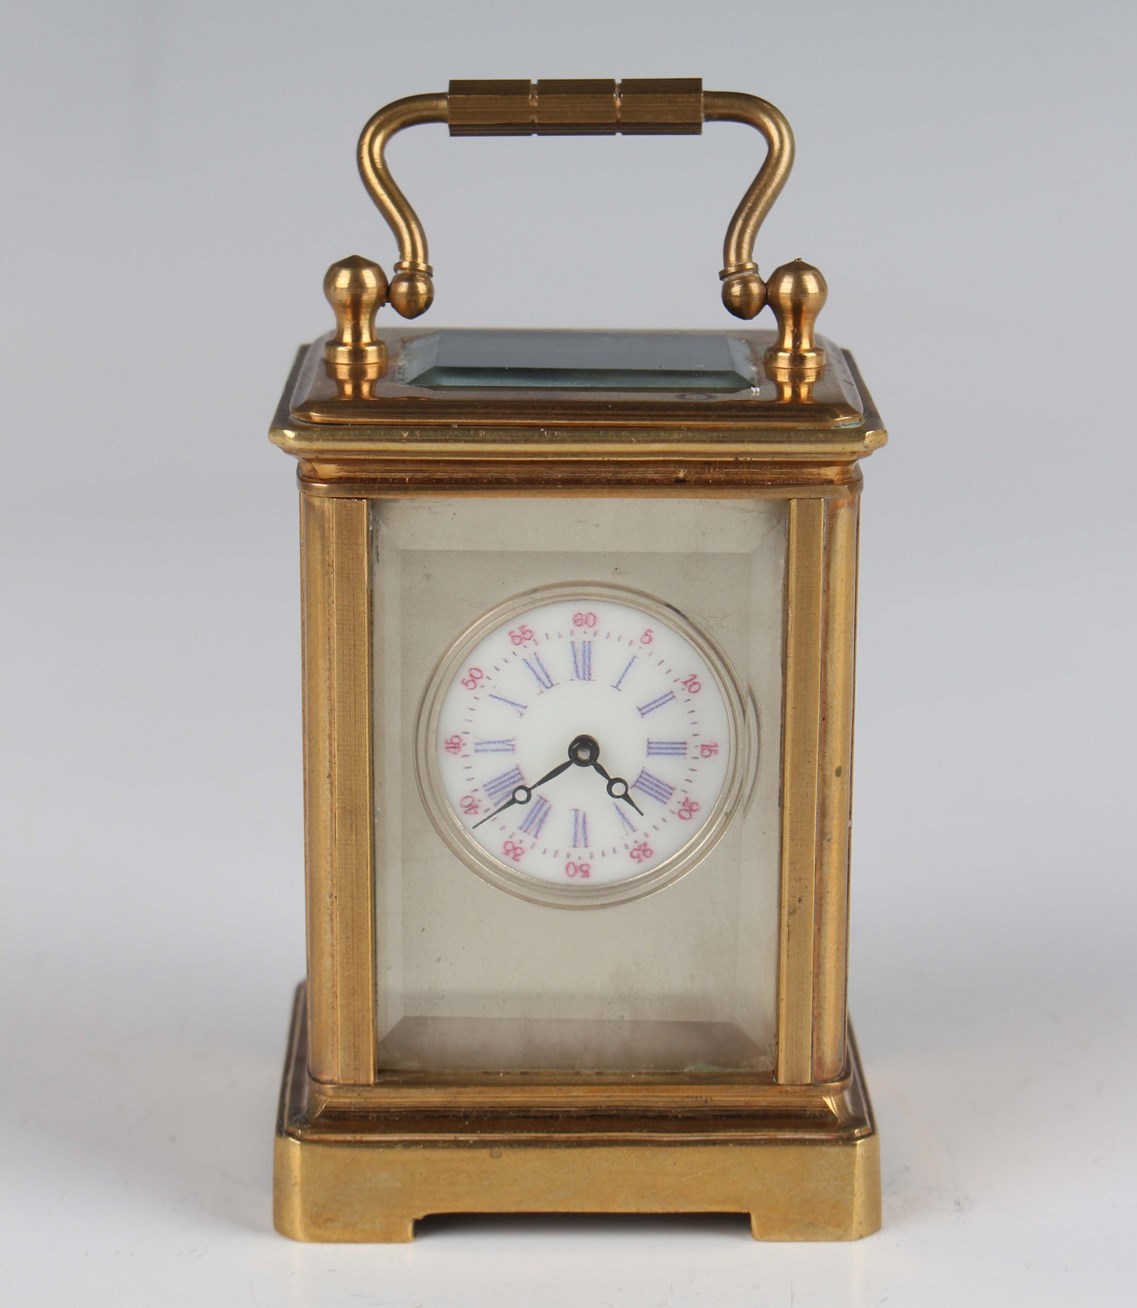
(802, 1162)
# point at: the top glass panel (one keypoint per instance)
(577, 361)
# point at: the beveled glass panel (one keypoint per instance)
(473, 978)
(577, 360)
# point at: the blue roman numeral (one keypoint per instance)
(579, 829)
(653, 704)
(677, 747)
(498, 746)
(499, 788)
(535, 818)
(651, 785)
(627, 668)
(581, 660)
(512, 703)
(625, 821)
(538, 669)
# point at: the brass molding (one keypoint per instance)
(528, 445)
(649, 106)
(725, 479)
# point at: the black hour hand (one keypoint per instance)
(616, 786)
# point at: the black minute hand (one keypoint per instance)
(521, 795)
(556, 772)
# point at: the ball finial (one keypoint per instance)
(356, 289)
(797, 293)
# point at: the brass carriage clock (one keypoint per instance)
(578, 617)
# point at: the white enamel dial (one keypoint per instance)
(580, 745)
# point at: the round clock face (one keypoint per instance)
(580, 745)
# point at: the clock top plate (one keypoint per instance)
(493, 393)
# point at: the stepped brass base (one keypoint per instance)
(807, 1167)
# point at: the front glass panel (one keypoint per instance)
(577, 771)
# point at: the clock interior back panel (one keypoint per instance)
(472, 977)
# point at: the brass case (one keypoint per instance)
(362, 1154)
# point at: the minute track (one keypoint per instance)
(584, 677)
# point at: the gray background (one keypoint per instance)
(177, 177)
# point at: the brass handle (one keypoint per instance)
(677, 106)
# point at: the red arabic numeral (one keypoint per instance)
(647, 637)
(687, 810)
(473, 677)
(512, 850)
(641, 851)
(521, 635)
(693, 684)
(588, 619)
(453, 745)
(578, 869)
(709, 750)
(470, 805)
